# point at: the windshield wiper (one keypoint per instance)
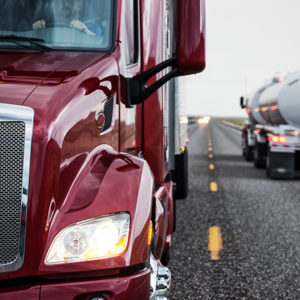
(31, 40)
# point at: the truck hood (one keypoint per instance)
(66, 91)
(22, 71)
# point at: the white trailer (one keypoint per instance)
(271, 135)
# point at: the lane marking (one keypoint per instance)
(213, 187)
(214, 242)
(211, 166)
(210, 155)
(210, 149)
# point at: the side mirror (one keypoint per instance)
(189, 56)
(242, 102)
(190, 42)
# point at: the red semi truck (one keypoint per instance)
(86, 191)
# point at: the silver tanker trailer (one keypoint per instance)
(271, 135)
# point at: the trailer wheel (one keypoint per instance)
(268, 165)
(181, 174)
(259, 156)
(247, 150)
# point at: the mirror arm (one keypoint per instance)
(136, 87)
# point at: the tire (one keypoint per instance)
(247, 150)
(165, 257)
(268, 172)
(259, 158)
(181, 174)
(174, 207)
(248, 153)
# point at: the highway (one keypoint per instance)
(238, 232)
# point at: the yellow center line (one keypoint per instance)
(213, 187)
(210, 149)
(210, 155)
(211, 166)
(214, 242)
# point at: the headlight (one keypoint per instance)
(96, 238)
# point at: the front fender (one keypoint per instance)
(108, 182)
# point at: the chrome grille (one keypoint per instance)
(16, 124)
(12, 140)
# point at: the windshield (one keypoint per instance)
(58, 24)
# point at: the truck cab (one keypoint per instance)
(86, 199)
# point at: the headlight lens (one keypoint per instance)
(96, 238)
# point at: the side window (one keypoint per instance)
(131, 27)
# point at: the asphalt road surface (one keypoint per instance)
(238, 232)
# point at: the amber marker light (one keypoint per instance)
(150, 232)
(264, 109)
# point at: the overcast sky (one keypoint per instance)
(248, 41)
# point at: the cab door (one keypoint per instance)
(131, 126)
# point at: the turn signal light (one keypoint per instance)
(150, 232)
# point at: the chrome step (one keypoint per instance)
(160, 280)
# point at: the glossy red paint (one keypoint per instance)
(135, 287)
(164, 217)
(191, 36)
(130, 137)
(152, 13)
(78, 172)
(72, 177)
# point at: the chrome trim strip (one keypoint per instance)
(8, 113)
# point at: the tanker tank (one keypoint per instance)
(254, 114)
(279, 104)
